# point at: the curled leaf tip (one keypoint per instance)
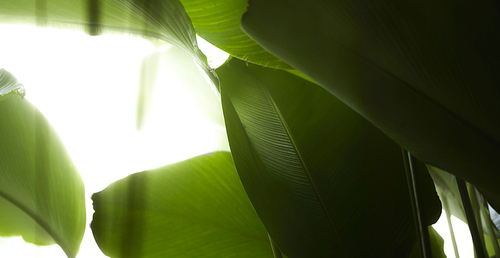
(9, 84)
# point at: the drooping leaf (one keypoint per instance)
(218, 22)
(424, 73)
(324, 181)
(161, 19)
(194, 208)
(42, 195)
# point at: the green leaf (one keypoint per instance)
(437, 245)
(161, 19)
(194, 208)
(9, 84)
(424, 73)
(446, 187)
(42, 196)
(324, 181)
(218, 22)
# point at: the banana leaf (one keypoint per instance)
(425, 73)
(324, 181)
(154, 19)
(193, 208)
(42, 196)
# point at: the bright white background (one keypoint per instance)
(87, 88)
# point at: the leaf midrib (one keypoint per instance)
(303, 163)
(39, 221)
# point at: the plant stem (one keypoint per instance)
(471, 221)
(274, 248)
(450, 226)
(417, 205)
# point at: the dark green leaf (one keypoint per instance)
(425, 73)
(324, 181)
(194, 208)
(42, 195)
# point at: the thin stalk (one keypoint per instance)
(274, 248)
(446, 208)
(471, 220)
(416, 203)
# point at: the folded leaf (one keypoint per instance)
(324, 181)
(424, 73)
(194, 208)
(42, 195)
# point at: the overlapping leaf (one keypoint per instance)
(194, 208)
(424, 72)
(41, 193)
(218, 22)
(323, 180)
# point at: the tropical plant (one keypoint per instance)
(319, 98)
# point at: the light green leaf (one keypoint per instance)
(161, 19)
(424, 73)
(437, 245)
(324, 181)
(218, 22)
(9, 84)
(446, 187)
(42, 195)
(194, 208)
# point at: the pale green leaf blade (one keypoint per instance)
(322, 179)
(424, 73)
(42, 196)
(150, 68)
(446, 187)
(171, 71)
(218, 22)
(194, 208)
(160, 19)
